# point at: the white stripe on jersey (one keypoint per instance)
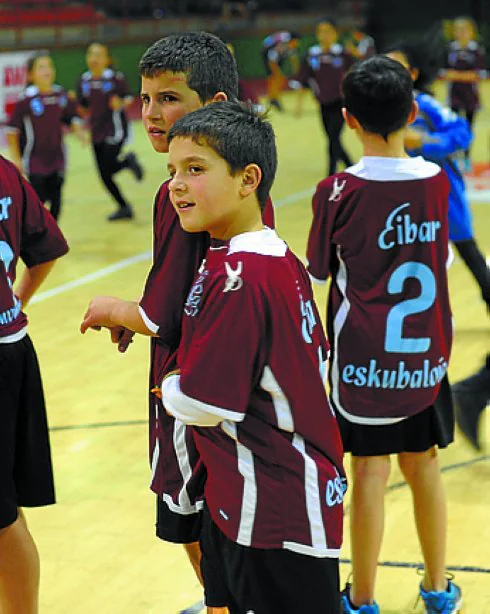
(338, 324)
(281, 405)
(249, 498)
(118, 135)
(184, 506)
(26, 156)
(312, 492)
(156, 451)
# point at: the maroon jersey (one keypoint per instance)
(471, 57)
(177, 256)
(251, 361)
(39, 119)
(28, 231)
(380, 229)
(94, 93)
(323, 71)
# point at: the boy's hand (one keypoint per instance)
(116, 103)
(99, 313)
(122, 336)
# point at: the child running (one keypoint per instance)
(27, 231)
(380, 230)
(179, 74)
(250, 379)
(35, 131)
(438, 134)
(104, 94)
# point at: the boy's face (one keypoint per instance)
(165, 99)
(202, 190)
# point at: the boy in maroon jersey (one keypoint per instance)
(104, 96)
(250, 379)
(380, 230)
(179, 73)
(28, 231)
(35, 130)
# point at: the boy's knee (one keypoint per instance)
(369, 467)
(412, 463)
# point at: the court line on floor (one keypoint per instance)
(141, 257)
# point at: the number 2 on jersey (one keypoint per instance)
(394, 340)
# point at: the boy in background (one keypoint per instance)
(250, 379)
(28, 231)
(179, 73)
(380, 230)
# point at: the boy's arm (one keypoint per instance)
(14, 148)
(319, 240)
(218, 370)
(111, 312)
(31, 279)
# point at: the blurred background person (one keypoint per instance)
(35, 131)
(322, 70)
(276, 49)
(104, 95)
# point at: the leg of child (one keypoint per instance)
(422, 473)
(194, 553)
(369, 477)
(19, 569)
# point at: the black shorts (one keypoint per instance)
(26, 473)
(177, 528)
(433, 426)
(265, 581)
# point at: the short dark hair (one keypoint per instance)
(330, 20)
(205, 59)
(378, 92)
(238, 134)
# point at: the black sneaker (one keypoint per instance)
(134, 166)
(471, 396)
(124, 213)
(276, 104)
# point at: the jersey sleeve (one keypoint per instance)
(318, 251)
(42, 240)
(122, 87)
(449, 132)
(480, 62)
(70, 112)
(218, 372)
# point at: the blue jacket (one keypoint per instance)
(447, 134)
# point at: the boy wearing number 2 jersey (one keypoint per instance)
(380, 231)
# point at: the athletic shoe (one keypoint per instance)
(471, 396)
(444, 602)
(348, 607)
(276, 104)
(135, 166)
(124, 213)
(197, 608)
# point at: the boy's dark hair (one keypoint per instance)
(238, 134)
(205, 59)
(426, 53)
(378, 92)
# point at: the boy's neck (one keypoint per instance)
(375, 145)
(250, 220)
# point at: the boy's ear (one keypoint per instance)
(413, 113)
(251, 178)
(350, 120)
(219, 97)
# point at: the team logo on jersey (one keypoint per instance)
(37, 106)
(337, 62)
(193, 302)
(107, 86)
(85, 89)
(336, 194)
(335, 491)
(234, 281)
(5, 203)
